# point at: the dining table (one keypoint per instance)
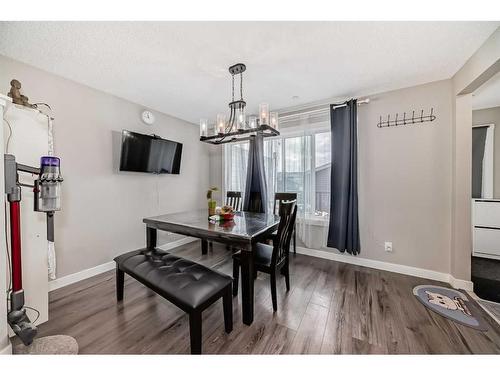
(243, 232)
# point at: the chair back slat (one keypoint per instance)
(281, 246)
(281, 197)
(233, 199)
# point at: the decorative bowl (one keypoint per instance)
(228, 216)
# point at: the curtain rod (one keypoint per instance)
(325, 108)
(362, 101)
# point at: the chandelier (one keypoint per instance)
(237, 127)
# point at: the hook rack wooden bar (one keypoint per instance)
(406, 120)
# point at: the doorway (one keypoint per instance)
(485, 263)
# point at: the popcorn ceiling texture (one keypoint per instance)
(181, 68)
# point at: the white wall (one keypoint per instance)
(103, 208)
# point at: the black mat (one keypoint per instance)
(486, 278)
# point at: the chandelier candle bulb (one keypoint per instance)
(221, 123)
(203, 127)
(252, 122)
(273, 120)
(264, 113)
(240, 119)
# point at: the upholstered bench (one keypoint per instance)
(188, 285)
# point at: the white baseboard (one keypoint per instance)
(345, 258)
(89, 272)
(79, 276)
(391, 267)
(6, 350)
(461, 284)
(174, 244)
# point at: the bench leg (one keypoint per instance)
(120, 278)
(227, 301)
(195, 331)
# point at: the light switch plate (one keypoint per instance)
(388, 247)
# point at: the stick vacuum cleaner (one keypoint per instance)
(47, 194)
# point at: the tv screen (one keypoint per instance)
(151, 154)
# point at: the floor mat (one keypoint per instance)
(451, 304)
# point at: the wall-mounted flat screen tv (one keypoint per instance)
(150, 154)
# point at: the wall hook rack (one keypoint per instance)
(407, 120)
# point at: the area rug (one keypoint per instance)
(451, 304)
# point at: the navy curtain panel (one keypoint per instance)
(343, 231)
(256, 186)
(478, 146)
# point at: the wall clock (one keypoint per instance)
(148, 118)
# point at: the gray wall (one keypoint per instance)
(491, 116)
(103, 208)
(405, 178)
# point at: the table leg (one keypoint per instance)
(204, 247)
(247, 280)
(151, 237)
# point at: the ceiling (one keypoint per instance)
(488, 95)
(180, 68)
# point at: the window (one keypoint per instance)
(235, 164)
(322, 155)
(298, 163)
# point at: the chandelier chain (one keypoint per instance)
(241, 86)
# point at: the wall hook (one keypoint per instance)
(398, 121)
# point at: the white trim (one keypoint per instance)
(79, 276)
(6, 350)
(345, 258)
(488, 160)
(89, 272)
(391, 267)
(174, 244)
(461, 284)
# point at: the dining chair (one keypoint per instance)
(279, 198)
(272, 259)
(233, 199)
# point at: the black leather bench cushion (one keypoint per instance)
(182, 281)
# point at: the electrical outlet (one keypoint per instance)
(388, 247)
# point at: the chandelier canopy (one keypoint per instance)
(238, 128)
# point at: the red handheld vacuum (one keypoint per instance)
(46, 189)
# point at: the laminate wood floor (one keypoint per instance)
(332, 308)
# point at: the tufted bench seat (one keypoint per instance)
(188, 285)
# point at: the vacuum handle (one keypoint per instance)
(15, 245)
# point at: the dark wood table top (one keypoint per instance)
(246, 228)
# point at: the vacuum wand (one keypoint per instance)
(46, 189)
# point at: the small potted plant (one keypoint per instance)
(212, 203)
